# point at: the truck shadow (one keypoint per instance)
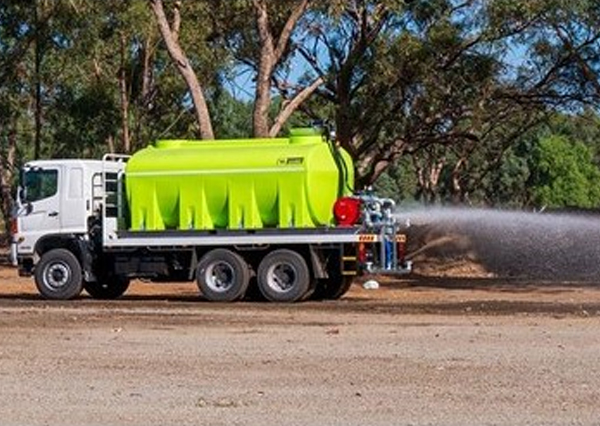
(408, 294)
(499, 284)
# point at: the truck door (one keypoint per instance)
(73, 206)
(40, 199)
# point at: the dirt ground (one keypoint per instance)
(419, 351)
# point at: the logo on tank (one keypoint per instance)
(290, 161)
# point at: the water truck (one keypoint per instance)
(278, 214)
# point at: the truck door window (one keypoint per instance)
(40, 184)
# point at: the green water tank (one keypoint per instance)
(237, 184)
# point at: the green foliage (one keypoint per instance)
(563, 174)
(553, 164)
(82, 120)
(507, 184)
(584, 127)
(398, 182)
(484, 102)
(232, 118)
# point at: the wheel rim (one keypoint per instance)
(281, 277)
(57, 275)
(220, 277)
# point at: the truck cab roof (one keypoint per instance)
(62, 161)
(93, 165)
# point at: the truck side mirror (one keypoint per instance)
(21, 194)
(28, 208)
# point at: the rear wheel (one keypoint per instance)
(333, 288)
(283, 276)
(222, 276)
(107, 288)
(58, 275)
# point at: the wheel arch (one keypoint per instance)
(73, 243)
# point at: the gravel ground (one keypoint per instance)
(434, 352)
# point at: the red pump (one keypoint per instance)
(346, 211)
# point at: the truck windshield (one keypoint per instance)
(38, 184)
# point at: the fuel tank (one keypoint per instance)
(237, 184)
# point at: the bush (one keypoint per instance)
(563, 174)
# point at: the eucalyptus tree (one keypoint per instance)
(402, 75)
(170, 31)
(553, 68)
(256, 36)
(17, 36)
(451, 84)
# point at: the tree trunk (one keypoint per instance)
(170, 35)
(38, 57)
(110, 144)
(126, 143)
(428, 178)
(272, 49)
(370, 167)
(144, 102)
(291, 106)
(262, 98)
(368, 171)
(7, 161)
(458, 194)
(343, 125)
(146, 70)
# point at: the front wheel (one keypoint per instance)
(107, 288)
(283, 276)
(58, 275)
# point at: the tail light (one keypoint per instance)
(362, 253)
(401, 251)
(346, 211)
(14, 226)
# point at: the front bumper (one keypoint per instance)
(23, 262)
(12, 254)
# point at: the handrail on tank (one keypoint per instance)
(114, 158)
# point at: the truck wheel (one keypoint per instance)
(283, 276)
(333, 288)
(107, 288)
(58, 275)
(222, 276)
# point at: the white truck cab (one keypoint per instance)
(56, 198)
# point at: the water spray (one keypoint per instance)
(542, 245)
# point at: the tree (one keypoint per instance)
(170, 34)
(8, 157)
(404, 77)
(274, 46)
(266, 47)
(350, 33)
(564, 175)
(16, 38)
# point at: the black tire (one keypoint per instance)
(222, 276)
(283, 276)
(58, 275)
(107, 288)
(333, 288)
